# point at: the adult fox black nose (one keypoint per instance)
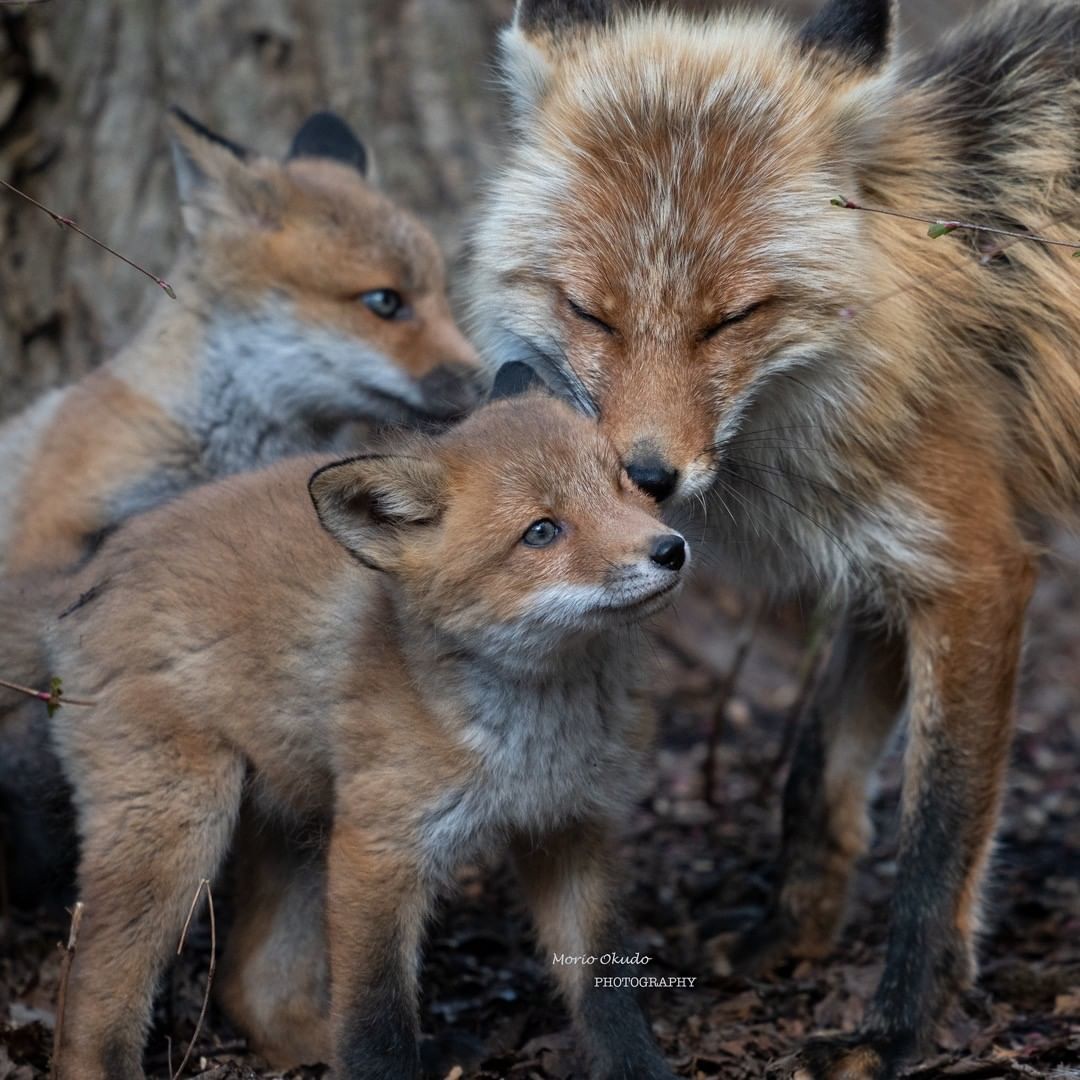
(653, 477)
(669, 552)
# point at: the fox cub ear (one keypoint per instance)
(859, 31)
(214, 176)
(326, 135)
(514, 379)
(367, 503)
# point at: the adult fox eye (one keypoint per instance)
(540, 533)
(732, 320)
(386, 303)
(589, 317)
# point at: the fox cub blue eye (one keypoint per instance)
(386, 303)
(541, 533)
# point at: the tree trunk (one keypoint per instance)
(84, 85)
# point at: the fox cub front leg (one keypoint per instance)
(377, 904)
(568, 880)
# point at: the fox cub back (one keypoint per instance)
(441, 658)
(307, 301)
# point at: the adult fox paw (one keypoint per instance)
(857, 1057)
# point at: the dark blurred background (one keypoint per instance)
(84, 85)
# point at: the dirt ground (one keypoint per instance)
(696, 873)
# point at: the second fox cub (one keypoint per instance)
(308, 300)
(882, 415)
(447, 663)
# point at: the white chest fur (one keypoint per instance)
(549, 752)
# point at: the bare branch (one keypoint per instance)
(54, 697)
(65, 975)
(747, 632)
(940, 227)
(66, 222)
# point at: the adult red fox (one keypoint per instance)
(440, 659)
(880, 416)
(307, 301)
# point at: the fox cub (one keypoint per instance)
(308, 301)
(441, 659)
(881, 416)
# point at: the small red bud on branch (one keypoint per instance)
(939, 228)
(53, 697)
(67, 223)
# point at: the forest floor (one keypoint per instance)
(698, 872)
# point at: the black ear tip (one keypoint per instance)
(554, 15)
(326, 135)
(514, 379)
(859, 29)
(200, 129)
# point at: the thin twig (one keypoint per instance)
(66, 222)
(814, 662)
(986, 258)
(65, 975)
(53, 697)
(941, 227)
(747, 633)
(204, 884)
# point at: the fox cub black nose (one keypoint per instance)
(669, 552)
(653, 477)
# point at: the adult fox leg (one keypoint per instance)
(964, 651)
(825, 823)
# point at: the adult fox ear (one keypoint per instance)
(215, 177)
(555, 16)
(529, 45)
(370, 503)
(326, 135)
(859, 32)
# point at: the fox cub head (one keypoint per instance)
(517, 529)
(661, 233)
(322, 296)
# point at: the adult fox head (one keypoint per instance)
(518, 530)
(661, 236)
(323, 297)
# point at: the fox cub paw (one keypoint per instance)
(856, 1057)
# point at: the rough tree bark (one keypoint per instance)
(84, 85)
